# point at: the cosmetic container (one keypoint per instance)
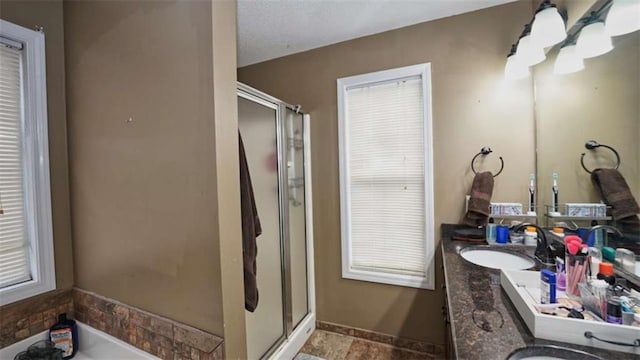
(530, 236)
(561, 273)
(595, 258)
(547, 287)
(516, 238)
(614, 311)
(502, 234)
(606, 273)
(577, 265)
(626, 259)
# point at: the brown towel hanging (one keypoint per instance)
(251, 229)
(480, 201)
(616, 193)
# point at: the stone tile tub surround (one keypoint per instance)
(154, 334)
(474, 289)
(24, 318)
(419, 346)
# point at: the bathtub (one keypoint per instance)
(93, 345)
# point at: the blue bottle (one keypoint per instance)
(547, 287)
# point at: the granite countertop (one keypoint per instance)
(484, 322)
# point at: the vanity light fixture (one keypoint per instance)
(593, 40)
(548, 26)
(515, 69)
(528, 52)
(623, 17)
(568, 60)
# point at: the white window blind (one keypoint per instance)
(385, 124)
(14, 257)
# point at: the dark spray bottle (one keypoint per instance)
(64, 334)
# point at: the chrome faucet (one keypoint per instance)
(610, 228)
(544, 252)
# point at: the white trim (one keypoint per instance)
(36, 170)
(422, 71)
(311, 277)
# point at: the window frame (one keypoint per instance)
(423, 71)
(35, 148)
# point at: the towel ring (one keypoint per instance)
(591, 145)
(486, 151)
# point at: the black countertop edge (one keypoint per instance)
(484, 322)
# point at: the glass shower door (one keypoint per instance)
(275, 139)
(297, 225)
(258, 124)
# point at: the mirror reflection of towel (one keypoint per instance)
(616, 193)
(480, 201)
(251, 229)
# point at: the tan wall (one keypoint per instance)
(144, 192)
(48, 14)
(601, 103)
(223, 14)
(472, 107)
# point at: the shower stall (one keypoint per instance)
(276, 141)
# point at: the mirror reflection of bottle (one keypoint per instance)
(597, 235)
(532, 192)
(554, 189)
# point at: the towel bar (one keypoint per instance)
(486, 151)
(591, 145)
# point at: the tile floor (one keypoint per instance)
(332, 346)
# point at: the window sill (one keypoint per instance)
(24, 290)
(414, 281)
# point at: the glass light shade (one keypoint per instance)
(528, 52)
(548, 28)
(593, 41)
(623, 17)
(568, 61)
(515, 69)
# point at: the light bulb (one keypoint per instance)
(528, 52)
(593, 41)
(623, 17)
(548, 27)
(515, 69)
(568, 61)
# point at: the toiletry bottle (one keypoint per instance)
(554, 200)
(491, 232)
(606, 273)
(614, 311)
(597, 236)
(547, 287)
(532, 194)
(561, 274)
(64, 334)
(608, 253)
(595, 258)
(530, 236)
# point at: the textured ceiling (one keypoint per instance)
(269, 29)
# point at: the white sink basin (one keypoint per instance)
(495, 258)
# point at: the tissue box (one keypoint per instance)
(586, 209)
(506, 209)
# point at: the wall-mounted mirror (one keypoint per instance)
(600, 102)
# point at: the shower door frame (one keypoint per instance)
(288, 345)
